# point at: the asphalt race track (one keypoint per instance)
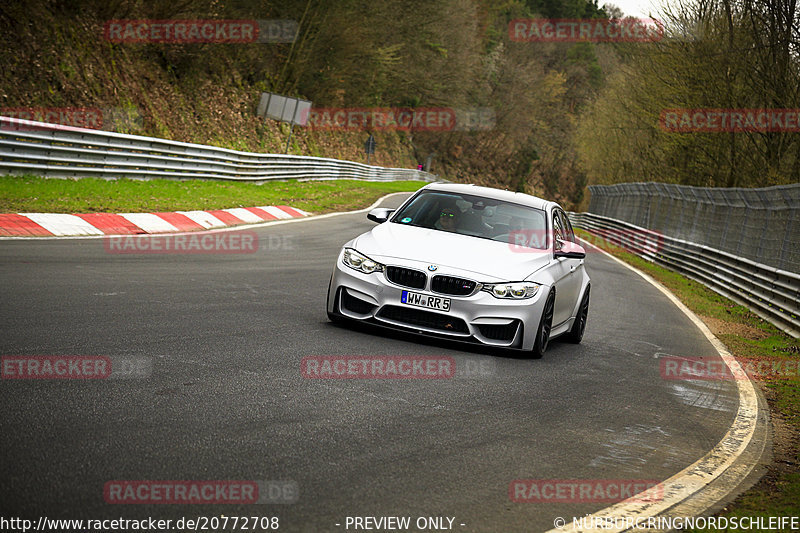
(225, 400)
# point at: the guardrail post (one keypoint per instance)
(786, 244)
(747, 208)
(728, 214)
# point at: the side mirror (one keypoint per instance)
(379, 214)
(569, 249)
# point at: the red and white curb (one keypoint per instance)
(61, 225)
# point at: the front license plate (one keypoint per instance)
(423, 300)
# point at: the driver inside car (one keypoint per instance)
(449, 218)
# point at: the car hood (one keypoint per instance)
(492, 260)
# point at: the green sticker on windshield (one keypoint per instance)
(406, 220)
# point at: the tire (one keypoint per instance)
(575, 334)
(545, 325)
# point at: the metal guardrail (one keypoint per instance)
(761, 224)
(769, 292)
(52, 150)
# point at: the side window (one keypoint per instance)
(558, 228)
(568, 233)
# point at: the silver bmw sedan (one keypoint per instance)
(469, 263)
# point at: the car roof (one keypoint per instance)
(490, 192)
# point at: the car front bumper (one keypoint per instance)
(478, 318)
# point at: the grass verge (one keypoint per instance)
(32, 194)
(751, 340)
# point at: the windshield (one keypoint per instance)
(475, 216)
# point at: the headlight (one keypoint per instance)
(360, 262)
(514, 291)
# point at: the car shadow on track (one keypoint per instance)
(448, 344)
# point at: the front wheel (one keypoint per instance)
(545, 324)
(575, 334)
